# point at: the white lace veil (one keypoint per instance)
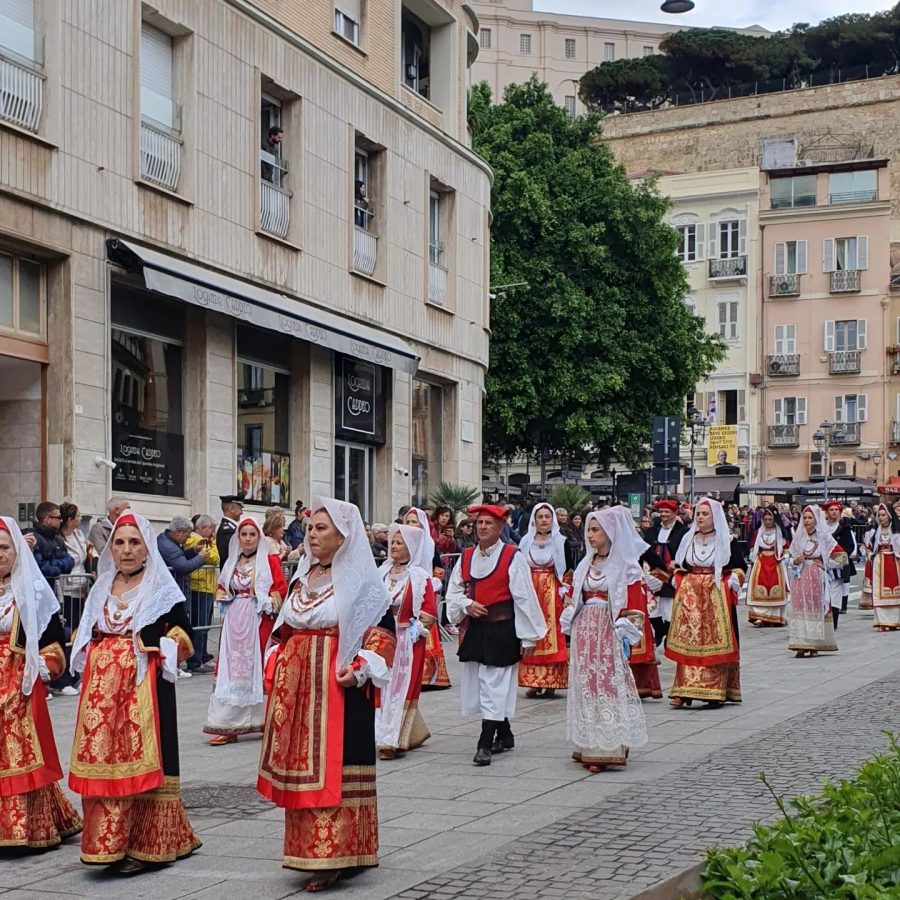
(262, 574)
(824, 538)
(426, 553)
(556, 538)
(414, 538)
(722, 553)
(149, 601)
(35, 601)
(360, 594)
(779, 537)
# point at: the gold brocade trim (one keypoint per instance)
(29, 737)
(337, 862)
(884, 592)
(427, 619)
(545, 585)
(55, 657)
(150, 759)
(185, 644)
(14, 634)
(381, 641)
(689, 606)
(277, 602)
(550, 676)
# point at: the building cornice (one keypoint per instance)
(805, 214)
(714, 195)
(252, 12)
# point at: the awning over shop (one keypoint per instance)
(777, 486)
(890, 487)
(837, 488)
(261, 307)
(711, 484)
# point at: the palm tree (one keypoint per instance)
(570, 497)
(458, 497)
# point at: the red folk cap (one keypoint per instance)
(125, 519)
(486, 509)
(833, 504)
(671, 505)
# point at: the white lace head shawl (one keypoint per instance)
(722, 552)
(35, 601)
(413, 538)
(149, 601)
(262, 573)
(556, 538)
(823, 536)
(360, 594)
(425, 558)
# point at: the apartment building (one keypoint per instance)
(829, 332)
(717, 217)
(243, 246)
(518, 41)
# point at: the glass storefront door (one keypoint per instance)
(354, 466)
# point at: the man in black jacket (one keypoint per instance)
(843, 534)
(664, 538)
(49, 548)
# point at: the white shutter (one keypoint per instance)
(861, 343)
(801, 257)
(733, 311)
(349, 8)
(713, 240)
(723, 320)
(20, 11)
(829, 336)
(779, 410)
(862, 407)
(839, 408)
(790, 338)
(862, 251)
(801, 410)
(779, 339)
(701, 241)
(898, 331)
(781, 258)
(742, 237)
(156, 60)
(828, 255)
(742, 406)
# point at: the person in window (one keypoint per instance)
(272, 145)
(361, 204)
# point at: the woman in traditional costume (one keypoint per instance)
(133, 635)
(604, 712)
(251, 589)
(767, 586)
(434, 673)
(703, 636)
(545, 668)
(34, 812)
(881, 584)
(332, 648)
(399, 725)
(816, 556)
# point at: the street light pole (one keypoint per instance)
(695, 421)
(822, 440)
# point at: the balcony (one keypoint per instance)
(784, 285)
(784, 436)
(845, 434)
(365, 250)
(894, 358)
(274, 208)
(21, 94)
(852, 197)
(783, 364)
(728, 269)
(160, 156)
(845, 281)
(437, 283)
(844, 362)
(895, 432)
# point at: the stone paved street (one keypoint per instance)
(534, 824)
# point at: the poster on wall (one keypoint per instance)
(265, 478)
(722, 445)
(359, 401)
(147, 462)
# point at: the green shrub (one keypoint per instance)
(572, 497)
(844, 844)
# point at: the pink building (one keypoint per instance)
(826, 322)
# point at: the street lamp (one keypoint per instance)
(822, 440)
(677, 6)
(695, 422)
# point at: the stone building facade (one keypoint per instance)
(243, 245)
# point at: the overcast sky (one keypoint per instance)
(739, 13)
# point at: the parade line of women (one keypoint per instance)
(330, 669)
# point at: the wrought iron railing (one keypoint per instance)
(784, 435)
(845, 434)
(365, 250)
(784, 285)
(437, 283)
(160, 156)
(274, 208)
(844, 362)
(730, 267)
(895, 432)
(844, 281)
(852, 197)
(21, 95)
(781, 364)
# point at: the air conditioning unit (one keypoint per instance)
(815, 464)
(840, 468)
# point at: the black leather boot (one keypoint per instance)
(483, 752)
(504, 739)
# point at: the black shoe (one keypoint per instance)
(504, 742)
(482, 757)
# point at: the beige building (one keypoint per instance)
(243, 245)
(518, 41)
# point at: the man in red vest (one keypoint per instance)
(492, 598)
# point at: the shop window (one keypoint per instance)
(427, 440)
(354, 473)
(23, 305)
(263, 427)
(147, 397)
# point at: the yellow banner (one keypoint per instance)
(721, 445)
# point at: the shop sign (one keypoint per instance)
(360, 400)
(147, 462)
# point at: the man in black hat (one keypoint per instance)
(232, 507)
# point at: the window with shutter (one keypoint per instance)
(801, 257)
(781, 258)
(742, 406)
(742, 237)
(862, 407)
(861, 339)
(701, 241)
(570, 48)
(156, 76)
(828, 255)
(17, 27)
(778, 418)
(829, 336)
(862, 252)
(839, 408)
(347, 19)
(801, 410)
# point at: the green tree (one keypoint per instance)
(626, 84)
(600, 339)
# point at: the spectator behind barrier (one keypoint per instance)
(202, 583)
(102, 528)
(171, 547)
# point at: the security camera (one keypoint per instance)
(401, 471)
(102, 461)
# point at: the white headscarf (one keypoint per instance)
(621, 567)
(35, 600)
(722, 553)
(426, 553)
(779, 536)
(823, 536)
(262, 574)
(556, 538)
(150, 600)
(360, 594)
(414, 538)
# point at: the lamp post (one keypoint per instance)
(822, 440)
(695, 422)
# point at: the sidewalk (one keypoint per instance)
(534, 824)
